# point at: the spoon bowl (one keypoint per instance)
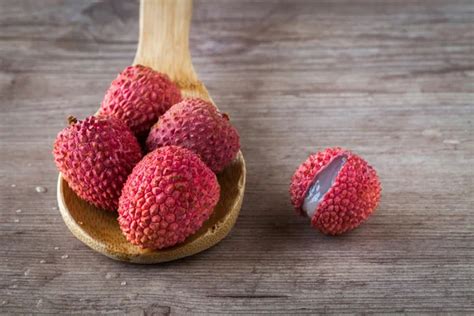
(164, 46)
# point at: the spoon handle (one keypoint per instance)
(163, 42)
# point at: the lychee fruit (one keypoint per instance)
(138, 96)
(336, 189)
(167, 197)
(197, 125)
(95, 157)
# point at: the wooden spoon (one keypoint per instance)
(163, 45)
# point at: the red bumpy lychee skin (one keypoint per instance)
(95, 156)
(353, 196)
(197, 125)
(167, 197)
(139, 96)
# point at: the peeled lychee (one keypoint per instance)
(95, 157)
(197, 125)
(336, 189)
(167, 197)
(138, 96)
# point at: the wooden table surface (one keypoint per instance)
(391, 80)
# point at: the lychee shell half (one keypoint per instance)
(139, 96)
(197, 125)
(95, 157)
(351, 199)
(167, 197)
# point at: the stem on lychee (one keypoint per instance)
(71, 120)
(225, 116)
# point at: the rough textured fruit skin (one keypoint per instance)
(197, 125)
(139, 96)
(167, 197)
(95, 157)
(353, 196)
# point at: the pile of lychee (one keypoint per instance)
(151, 155)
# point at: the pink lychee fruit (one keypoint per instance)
(139, 96)
(95, 157)
(197, 125)
(336, 189)
(167, 197)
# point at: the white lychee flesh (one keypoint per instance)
(321, 185)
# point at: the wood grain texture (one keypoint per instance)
(391, 80)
